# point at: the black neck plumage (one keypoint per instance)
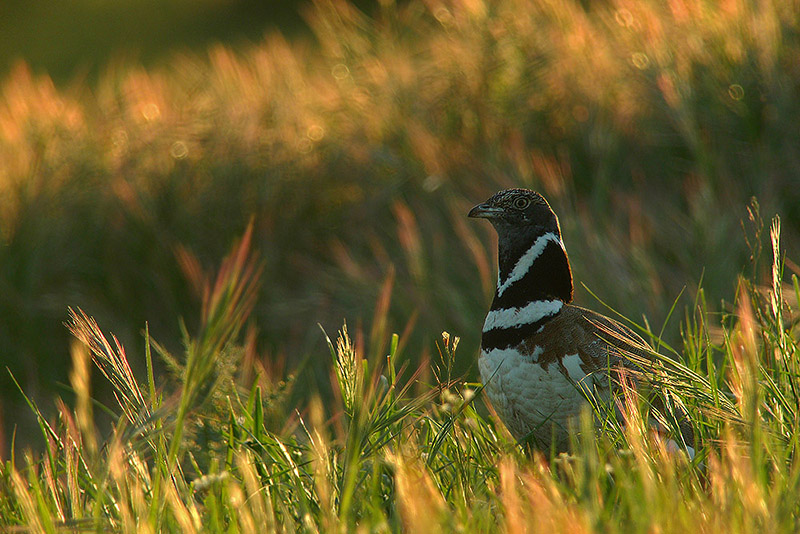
(534, 281)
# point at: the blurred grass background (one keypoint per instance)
(77, 37)
(357, 145)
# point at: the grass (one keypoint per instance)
(649, 127)
(393, 453)
(349, 163)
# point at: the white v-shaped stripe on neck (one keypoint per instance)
(526, 260)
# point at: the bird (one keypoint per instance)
(540, 354)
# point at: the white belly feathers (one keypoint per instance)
(533, 399)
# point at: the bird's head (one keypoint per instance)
(518, 211)
(528, 240)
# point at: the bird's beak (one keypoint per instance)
(485, 211)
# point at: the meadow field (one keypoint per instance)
(239, 291)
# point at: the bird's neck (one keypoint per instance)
(533, 284)
(532, 269)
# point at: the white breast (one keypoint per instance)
(532, 399)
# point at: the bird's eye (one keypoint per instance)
(521, 203)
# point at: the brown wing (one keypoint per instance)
(601, 343)
(627, 349)
(623, 345)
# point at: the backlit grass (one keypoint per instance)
(648, 125)
(392, 453)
